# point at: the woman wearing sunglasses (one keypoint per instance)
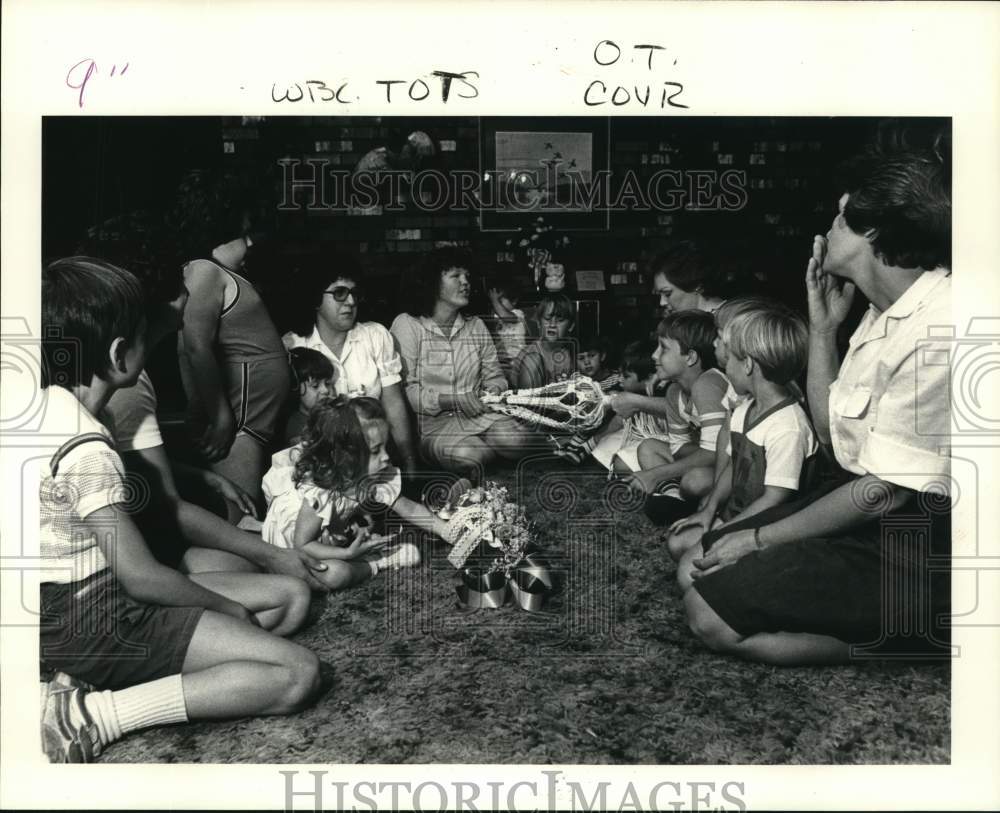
(365, 362)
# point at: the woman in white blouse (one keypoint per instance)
(364, 359)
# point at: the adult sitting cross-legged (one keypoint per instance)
(449, 360)
(860, 566)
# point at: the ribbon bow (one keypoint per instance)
(526, 584)
(525, 580)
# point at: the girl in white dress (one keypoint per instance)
(320, 493)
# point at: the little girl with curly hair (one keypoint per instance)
(320, 494)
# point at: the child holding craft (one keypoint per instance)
(321, 491)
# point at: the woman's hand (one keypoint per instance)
(494, 295)
(829, 298)
(218, 437)
(468, 404)
(231, 492)
(726, 551)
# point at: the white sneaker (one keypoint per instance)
(69, 733)
(406, 554)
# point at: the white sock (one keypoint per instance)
(159, 702)
(102, 709)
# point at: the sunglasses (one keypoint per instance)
(341, 292)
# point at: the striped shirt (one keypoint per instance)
(697, 417)
(612, 381)
(464, 360)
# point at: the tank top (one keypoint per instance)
(246, 332)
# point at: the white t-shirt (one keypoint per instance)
(787, 438)
(132, 416)
(368, 362)
(89, 477)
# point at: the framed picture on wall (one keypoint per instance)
(543, 167)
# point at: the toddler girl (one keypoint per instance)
(319, 490)
(314, 378)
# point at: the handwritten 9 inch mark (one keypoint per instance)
(81, 73)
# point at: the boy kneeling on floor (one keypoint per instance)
(676, 471)
(771, 441)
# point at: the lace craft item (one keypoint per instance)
(575, 404)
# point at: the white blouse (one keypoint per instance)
(368, 362)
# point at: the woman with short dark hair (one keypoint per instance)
(684, 279)
(363, 355)
(862, 562)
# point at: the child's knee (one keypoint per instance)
(337, 575)
(302, 680)
(684, 580)
(696, 482)
(649, 453)
(298, 598)
(685, 566)
(678, 544)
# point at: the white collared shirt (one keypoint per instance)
(368, 362)
(890, 406)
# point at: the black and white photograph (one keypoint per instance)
(499, 505)
(456, 440)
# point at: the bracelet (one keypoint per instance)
(756, 539)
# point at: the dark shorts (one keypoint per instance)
(886, 585)
(94, 631)
(257, 390)
(664, 510)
